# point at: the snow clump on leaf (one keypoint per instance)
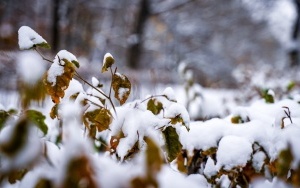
(28, 39)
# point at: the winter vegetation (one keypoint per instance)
(68, 131)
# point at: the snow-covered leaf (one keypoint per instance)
(63, 74)
(28, 39)
(154, 106)
(121, 86)
(100, 118)
(108, 61)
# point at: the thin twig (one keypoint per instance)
(288, 113)
(102, 142)
(94, 103)
(113, 106)
(153, 96)
(44, 58)
(112, 75)
(82, 79)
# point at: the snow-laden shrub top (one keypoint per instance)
(92, 136)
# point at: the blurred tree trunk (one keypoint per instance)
(134, 50)
(55, 26)
(294, 53)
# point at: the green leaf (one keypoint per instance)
(100, 118)
(121, 86)
(154, 106)
(267, 96)
(108, 61)
(291, 85)
(76, 63)
(42, 45)
(173, 144)
(38, 119)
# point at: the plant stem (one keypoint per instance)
(153, 96)
(108, 97)
(112, 75)
(46, 59)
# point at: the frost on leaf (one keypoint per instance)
(63, 74)
(121, 86)
(154, 106)
(108, 61)
(173, 145)
(29, 39)
(99, 118)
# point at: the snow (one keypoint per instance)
(28, 38)
(169, 178)
(57, 68)
(30, 67)
(233, 151)
(169, 93)
(263, 183)
(64, 54)
(210, 168)
(107, 55)
(27, 154)
(258, 159)
(95, 82)
(176, 109)
(54, 71)
(135, 125)
(122, 91)
(279, 17)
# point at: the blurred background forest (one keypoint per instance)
(221, 41)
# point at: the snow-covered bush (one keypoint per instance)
(94, 137)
